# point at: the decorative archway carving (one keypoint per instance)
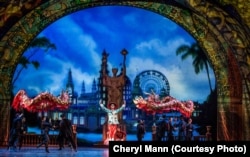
(222, 37)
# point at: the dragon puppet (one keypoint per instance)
(42, 102)
(152, 105)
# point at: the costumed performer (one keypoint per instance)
(112, 118)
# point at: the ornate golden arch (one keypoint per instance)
(222, 37)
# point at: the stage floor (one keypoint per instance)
(54, 152)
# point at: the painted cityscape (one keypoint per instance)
(154, 63)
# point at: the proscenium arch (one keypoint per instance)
(224, 42)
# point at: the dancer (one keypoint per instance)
(66, 133)
(112, 118)
(23, 131)
(181, 129)
(15, 131)
(140, 130)
(162, 129)
(45, 128)
(189, 130)
(170, 129)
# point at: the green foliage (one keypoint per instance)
(42, 42)
(200, 59)
(24, 61)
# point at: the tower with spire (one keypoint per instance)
(70, 88)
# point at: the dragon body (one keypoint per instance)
(42, 102)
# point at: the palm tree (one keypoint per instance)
(23, 63)
(199, 58)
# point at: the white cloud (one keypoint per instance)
(79, 77)
(161, 47)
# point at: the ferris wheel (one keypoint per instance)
(152, 80)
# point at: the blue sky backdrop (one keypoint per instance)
(81, 37)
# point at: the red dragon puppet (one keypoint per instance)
(42, 102)
(152, 105)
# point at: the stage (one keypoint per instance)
(54, 152)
